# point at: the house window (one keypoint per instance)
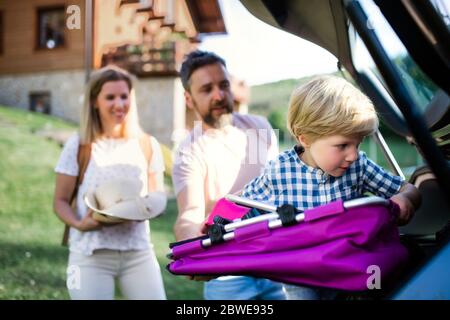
(40, 102)
(51, 25)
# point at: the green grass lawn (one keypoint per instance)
(32, 261)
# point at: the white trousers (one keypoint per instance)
(93, 277)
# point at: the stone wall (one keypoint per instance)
(160, 100)
(65, 88)
(161, 107)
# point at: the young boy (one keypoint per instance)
(329, 118)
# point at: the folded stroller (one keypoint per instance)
(337, 245)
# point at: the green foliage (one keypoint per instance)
(277, 118)
(421, 88)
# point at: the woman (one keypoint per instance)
(102, 253)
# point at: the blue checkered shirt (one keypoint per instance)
(288, 180)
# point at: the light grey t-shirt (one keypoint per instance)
(217, 162)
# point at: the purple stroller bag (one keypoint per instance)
(335, 246)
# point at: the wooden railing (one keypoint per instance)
(144, 62)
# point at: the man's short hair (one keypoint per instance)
(195, 60)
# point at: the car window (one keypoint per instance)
(418, 84)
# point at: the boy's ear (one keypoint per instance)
(188, 100)
(303, 141)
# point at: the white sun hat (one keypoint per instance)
(117, 201)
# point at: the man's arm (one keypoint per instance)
(191, 213)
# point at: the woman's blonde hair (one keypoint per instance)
(90, 122)
(329, 105)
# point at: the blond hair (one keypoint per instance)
(90, 122)
(329, 105)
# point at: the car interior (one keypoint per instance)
(408, 83)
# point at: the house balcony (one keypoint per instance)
(144, 60)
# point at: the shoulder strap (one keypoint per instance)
(83, 156)
(146, 146)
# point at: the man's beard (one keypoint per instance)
(223, 120)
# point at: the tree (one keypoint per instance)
(277, 119)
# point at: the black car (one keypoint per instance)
(398, 53)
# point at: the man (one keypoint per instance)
(224, 151)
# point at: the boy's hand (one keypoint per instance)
(406, 209)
